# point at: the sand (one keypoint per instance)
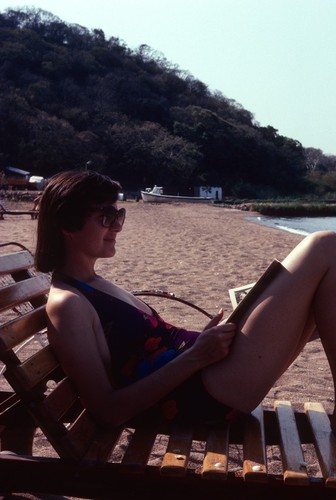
(199, 252)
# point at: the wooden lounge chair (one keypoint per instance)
(143, 459)
(5, 211)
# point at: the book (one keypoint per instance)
(253, 291)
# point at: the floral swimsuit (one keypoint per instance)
(141, 343)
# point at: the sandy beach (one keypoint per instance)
(199, 252)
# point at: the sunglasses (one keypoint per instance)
(111, 215)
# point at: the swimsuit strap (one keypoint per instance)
(88, 290)
(69, 280)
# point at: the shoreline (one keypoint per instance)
(297, 225)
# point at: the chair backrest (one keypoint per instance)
(31, 368)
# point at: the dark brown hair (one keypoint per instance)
(65, 204)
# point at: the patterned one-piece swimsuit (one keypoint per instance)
(141, 343)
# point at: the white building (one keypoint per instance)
(214, 192)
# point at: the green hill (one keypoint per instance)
(71, 98)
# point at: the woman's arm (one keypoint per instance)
(76, 335)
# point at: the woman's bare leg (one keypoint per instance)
(277, 327)
(324, 307)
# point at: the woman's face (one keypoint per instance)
(97, 237)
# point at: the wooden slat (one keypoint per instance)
(15, 332)
(77, 439)
(15, 262)
(176, 458)
(32, 371)
(16, 294)
(101, 448)
(89, 441)
(215, 463)
(60, 401)
(325, 441)
(254, 466)
(19, 212)
(138, 451)
(294, 466)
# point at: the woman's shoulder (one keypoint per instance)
(64, 300)
(70, 317)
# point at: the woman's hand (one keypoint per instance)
(215, 320)
(213, 344)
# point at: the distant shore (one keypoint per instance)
(319, 208)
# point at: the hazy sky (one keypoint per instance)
(277, 58)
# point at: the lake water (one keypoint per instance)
(298, 225)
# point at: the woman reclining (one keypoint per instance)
(126, 360)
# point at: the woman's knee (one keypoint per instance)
(317, 251)
(326, 239)
(324, 243)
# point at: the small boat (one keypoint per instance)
(155, 195)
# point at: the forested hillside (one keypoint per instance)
(71, 98)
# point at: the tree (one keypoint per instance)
(150, 155)
(62, 84)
